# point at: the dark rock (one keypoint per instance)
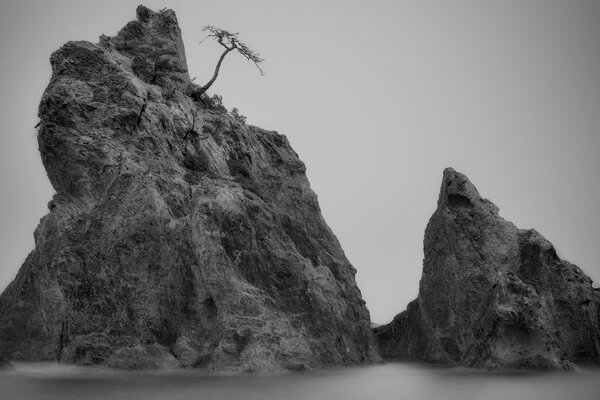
(143, 357)
(492, 295)
(90, 349)
(188, 353)
(4, 363)
(174, 228)
(297, 367)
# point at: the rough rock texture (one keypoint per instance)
(492, 295)
(175, 231)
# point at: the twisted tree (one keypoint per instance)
(230, 42)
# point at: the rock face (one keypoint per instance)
(177, 235)
(493, 295)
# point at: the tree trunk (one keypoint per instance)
(199, 92)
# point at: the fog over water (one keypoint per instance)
(390, 381)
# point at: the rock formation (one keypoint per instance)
(177, 235)
(492, 295)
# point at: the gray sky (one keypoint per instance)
(377, 97)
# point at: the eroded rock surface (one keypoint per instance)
(493, 295)
(177, 235)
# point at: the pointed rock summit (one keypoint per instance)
(493, 295)
(178, 236)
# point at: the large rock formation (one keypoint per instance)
(177, 235)
(492, 295)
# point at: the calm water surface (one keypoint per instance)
(389, 381)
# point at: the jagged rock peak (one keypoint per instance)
(178, 235)
(457, 190)
(492, 295)
(155, 45)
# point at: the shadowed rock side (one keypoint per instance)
(177, 236)
(492, 295)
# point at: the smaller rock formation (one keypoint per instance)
(493, 295)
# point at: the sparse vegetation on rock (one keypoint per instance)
(231, 42)
(235, 113)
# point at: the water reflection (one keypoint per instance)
(390, 381)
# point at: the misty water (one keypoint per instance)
(389, 381)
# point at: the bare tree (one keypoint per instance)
(230, 42)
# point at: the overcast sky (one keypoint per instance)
(377, 98)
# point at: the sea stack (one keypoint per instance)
(178, 235)
(492, 295)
